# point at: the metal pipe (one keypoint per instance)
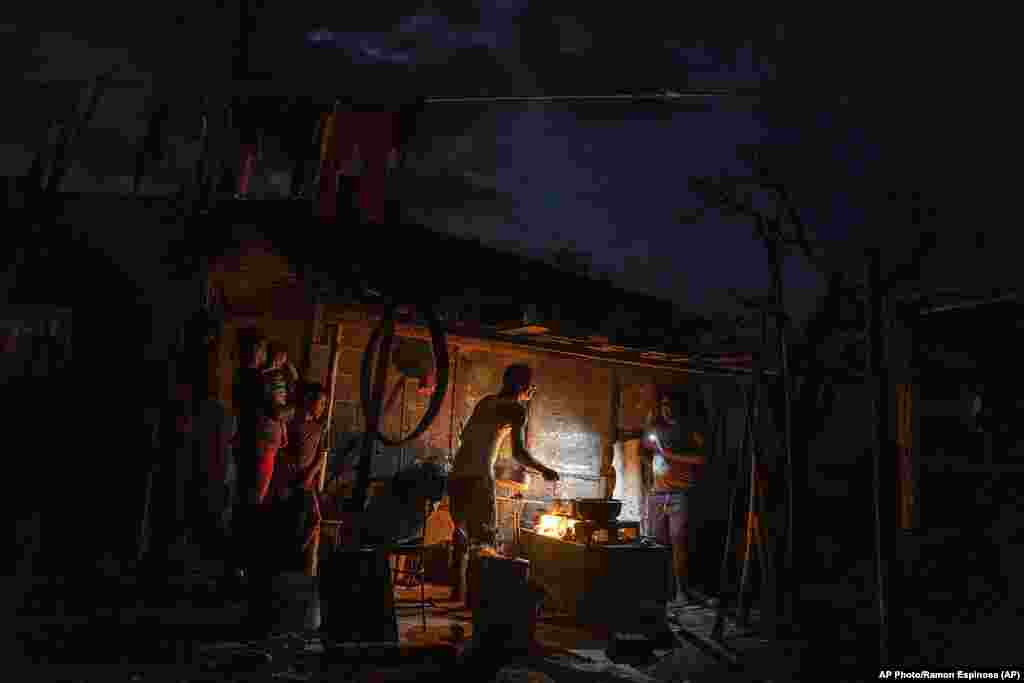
(451, 428)
(660, 96)
(971, 304)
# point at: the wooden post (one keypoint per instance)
(332, 381)
(312, 557)
(613, 429)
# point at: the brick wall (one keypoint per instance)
(572, 419)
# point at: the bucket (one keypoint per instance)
(296, 602)
(357, 590)
(437, 561)
(506, 605)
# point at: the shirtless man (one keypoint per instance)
(471, 486)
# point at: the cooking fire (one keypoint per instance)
(555, 526)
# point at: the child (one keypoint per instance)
(280, 375)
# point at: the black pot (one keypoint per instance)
(598, 509)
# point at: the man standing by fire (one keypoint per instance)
(471, 484)
(676, 437)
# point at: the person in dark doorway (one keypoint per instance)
(676, 438)
(262, 534)
(172, 472)
(304, 456)
(471, 484)
(249, 393)
(249, 400)
(213, 431)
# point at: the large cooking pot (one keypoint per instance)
(600, 510)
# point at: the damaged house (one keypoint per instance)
(600, 362)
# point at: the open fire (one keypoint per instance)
(555, 526)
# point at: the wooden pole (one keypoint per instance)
(312, 557)
(332, 381)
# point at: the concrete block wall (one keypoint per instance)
(573, 421)
(570, 425)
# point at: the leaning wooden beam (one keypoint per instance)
(332, 381)
(313, 556)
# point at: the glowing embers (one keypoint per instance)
(556, 526)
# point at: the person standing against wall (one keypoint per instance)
(214, 431)
(303, 463)
(250, 406)
(168, 505)
(675, 436)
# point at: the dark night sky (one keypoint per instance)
(609, 181)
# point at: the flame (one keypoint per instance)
(555, 526)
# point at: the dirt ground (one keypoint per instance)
(116, 628)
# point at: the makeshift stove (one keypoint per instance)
(588, 533)
(600, 572)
